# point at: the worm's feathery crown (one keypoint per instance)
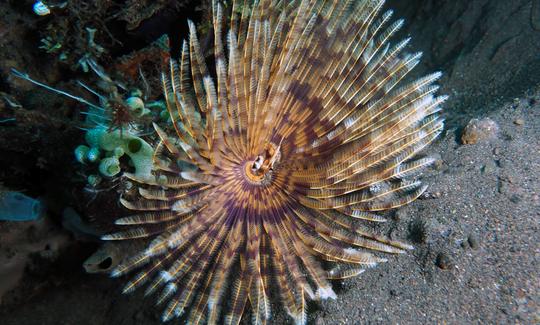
(306, 127)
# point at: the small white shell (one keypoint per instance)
(41, 9)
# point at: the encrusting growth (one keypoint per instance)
(306, 127)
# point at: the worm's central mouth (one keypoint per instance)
(262, 166)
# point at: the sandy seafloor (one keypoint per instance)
(475, 231)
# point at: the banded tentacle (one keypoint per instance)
(309, 128)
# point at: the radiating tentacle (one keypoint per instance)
(308, 131)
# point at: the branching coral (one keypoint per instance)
(308, 128)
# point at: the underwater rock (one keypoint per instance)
(22, 240)
(473, 242)
(479, 130)
(443, 261)
(519, 121)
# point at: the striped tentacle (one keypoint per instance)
(307, 131)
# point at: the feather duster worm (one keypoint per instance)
(306, 127)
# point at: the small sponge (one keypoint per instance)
(116, 144)
(109, 166)
(15, 206)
